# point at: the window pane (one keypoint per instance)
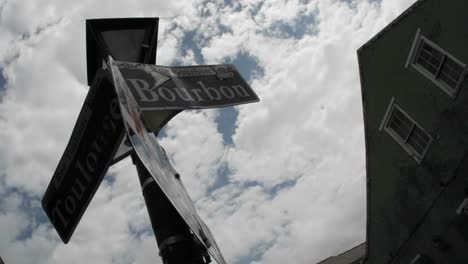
(418, 140)
(399, 123)
(429, 58)
(451, 72)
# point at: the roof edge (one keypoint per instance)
(351, 249)
(343, 253)
(391, 24)
(366, 146)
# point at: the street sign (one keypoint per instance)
(157, 163)
(99, 131)
(191, 87)
(92, 145)
(126, 39)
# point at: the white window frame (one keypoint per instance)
(403, 143)
(463, 207)
(411, 60)
(417, 258)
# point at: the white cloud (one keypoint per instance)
(296, 191)
(307, 128)
(197, 149)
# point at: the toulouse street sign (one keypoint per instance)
(92, 145)
(189, 87)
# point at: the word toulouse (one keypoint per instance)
(94, 141)
(85, 166)
(158, 87)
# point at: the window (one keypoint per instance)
(463, 207)
(406, 132)
(436, 64)
(421, 259)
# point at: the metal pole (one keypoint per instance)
(176, 243)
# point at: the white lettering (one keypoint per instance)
(209, 91)
(142, 88)
(70, 204)
(185, 95)
(78, 193)
(240, 90)
(58, 212)
(226, 92)
(91, 161)
(83, 171)
(197, 93)
(166, 94)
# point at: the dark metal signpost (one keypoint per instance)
(129, 101)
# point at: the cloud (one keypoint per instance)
(196, 148)
(290, 187)
(302, 145)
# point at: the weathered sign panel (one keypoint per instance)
(157, 163)
(90, 150)
(159, 87)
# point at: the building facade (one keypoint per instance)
(415, 103)
(352, 256)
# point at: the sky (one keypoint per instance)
(278, 181)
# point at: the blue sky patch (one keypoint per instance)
(280, 187)
(189, 43)
(226, 121)
(247, 65)
(222, 178)
(2, 85)
(29, 207)
(303, 25)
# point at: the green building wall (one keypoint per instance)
(411, 206)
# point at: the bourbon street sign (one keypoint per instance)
(157, 163)
(93, 143)
(205, 86)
